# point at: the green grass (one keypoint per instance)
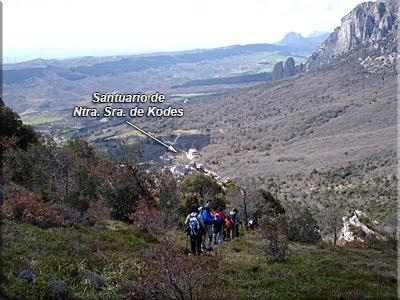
(66, 253)
(66, 130)
(116, 253)
(311, 271)
(40, 121)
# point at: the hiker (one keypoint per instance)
(317, 231)
(194, 229)
(208, 221)
(228, 226)
(233, 215)
(219, 218)
(251, 224)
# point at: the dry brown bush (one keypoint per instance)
(147, 216)
(170, 274)
(27, 208)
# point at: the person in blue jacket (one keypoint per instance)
(208, 221)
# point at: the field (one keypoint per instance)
(40, 121)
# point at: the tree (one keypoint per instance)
(198, 187)
(71, 173)
(128, 184)
(261, 203)
(269, 204)
(271, 214)
(252, 201)
(300, 225)
(82, 171)
(169, 197)
(391, 228)
(13, 133)
(333, 220)
(238, 196)
(275, 244)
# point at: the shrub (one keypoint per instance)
(27, 208)
(202, 188)
(170, 274)
(300, 226)
(122, 197)
(276, 247)
(77, 201)
(70, 213)
(147, 217)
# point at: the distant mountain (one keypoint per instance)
(42, 85)
(317, 37)
(372, 24)
(296, 40)
(318, 34)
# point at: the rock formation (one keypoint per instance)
(368, 23)
(277, 72)
(286, 70)
(299, 68)
(356, 226)
(289, 68)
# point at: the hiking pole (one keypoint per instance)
(187, 238)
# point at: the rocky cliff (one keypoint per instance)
(367, 24)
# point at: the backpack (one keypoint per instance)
(233, 217)
(194, 224)
(228, 223)
(217, 218)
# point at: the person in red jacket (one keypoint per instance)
(228, 226)
(219, 225)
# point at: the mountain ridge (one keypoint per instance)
(293, 39)
(368, 23)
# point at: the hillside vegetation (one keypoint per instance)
(121, 255)
(78, 225)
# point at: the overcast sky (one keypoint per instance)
(43, 28)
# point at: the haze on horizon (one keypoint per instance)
(67, 28)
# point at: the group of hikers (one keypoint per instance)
(205, 225)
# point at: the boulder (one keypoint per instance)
(95, 281)
(60, 290)
(27, 276)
